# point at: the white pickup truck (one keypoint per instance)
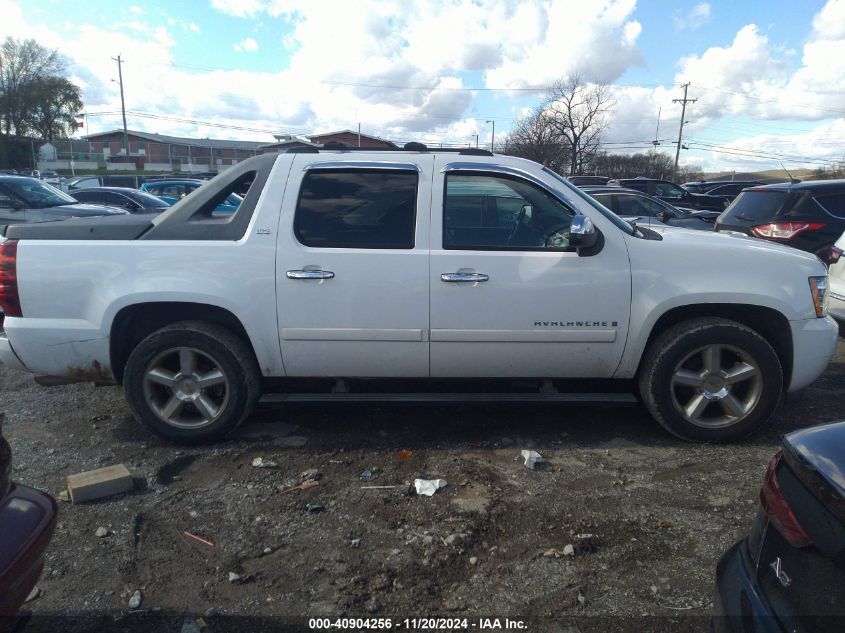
(343, 270)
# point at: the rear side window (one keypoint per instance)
(758, 204)
(357, 208)
(834, 204)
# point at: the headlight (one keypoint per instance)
(818, 288)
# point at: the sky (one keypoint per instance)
(768, 78)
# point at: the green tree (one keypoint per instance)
(55, 101)
(35, 95)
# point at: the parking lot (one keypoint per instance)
(648, 516)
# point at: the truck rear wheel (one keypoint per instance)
(192, 382)
(711, 380)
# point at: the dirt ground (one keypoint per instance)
(647, 515)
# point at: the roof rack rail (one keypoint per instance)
(409, 147)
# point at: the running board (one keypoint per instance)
(616, 399)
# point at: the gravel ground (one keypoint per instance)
(647, 515)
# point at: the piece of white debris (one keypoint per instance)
(260, 462)
(135, 600)
(428, 487)
(233, 577)
(101, 532)
(532, 458)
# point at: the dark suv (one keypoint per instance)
(807, 215)
(673, 194)
(729, 189)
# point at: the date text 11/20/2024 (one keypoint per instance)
(420, 624)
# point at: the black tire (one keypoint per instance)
(214, 348)
(677, 350)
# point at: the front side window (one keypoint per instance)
(492, 212)
(357, 208)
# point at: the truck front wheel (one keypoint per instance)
(192, 382)
(710, 380)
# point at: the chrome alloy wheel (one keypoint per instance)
(186, 387)
(716, 386)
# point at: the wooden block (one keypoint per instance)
(96, 484)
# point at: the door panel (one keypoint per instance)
(353, 301)
(540, 313)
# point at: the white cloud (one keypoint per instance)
(829, 23)
(246, 45)
(193, 27)
(136, 9)
(240, 8)
(697, 17)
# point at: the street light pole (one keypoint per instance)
(122, 103)
(493, 135)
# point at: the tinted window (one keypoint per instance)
(114, 199)
(89, 197)
(759, 204)
(833, 204)
(147, 200)
(668, 190)
(357, 209)
(499, 212)
(637, 205)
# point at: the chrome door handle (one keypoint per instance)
(309, 274)
(463, 277)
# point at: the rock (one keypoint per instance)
(193, 514)
(372, 606)
(313, 508)
(312, 474)
(210, 612)
(581, 598)
(268, 550)
(260, 462)
(356, 542)
(473, 560)
(654, 589)
(101, 532)
(455, 539)
(550, 553)
(427, 540)
(569, 550)
(33, 594)
(233, 577)
(135, 600)
(292, 441)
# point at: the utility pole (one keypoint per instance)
(476, 141)
(359, 134)
(493, 135)
(122, 102)
(683, 103)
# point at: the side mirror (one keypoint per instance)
(582, 233)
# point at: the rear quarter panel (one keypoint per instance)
(71, 291)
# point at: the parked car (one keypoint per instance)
(105, 180)
(635, 206)
(724, 188)
(132, 200)
(27, 520)
(837, 281)
(673, 194)
(25, 200)
(51, 178)
(808, 215)
(581, 181)
(361, 269)
(173, 191)
(788, 574)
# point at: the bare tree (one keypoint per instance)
(580, 113)
(534, 137)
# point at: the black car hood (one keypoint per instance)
(822, 448)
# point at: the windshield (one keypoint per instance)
(610, 215)
(148, 200)
(757, 205)
(38, 194)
